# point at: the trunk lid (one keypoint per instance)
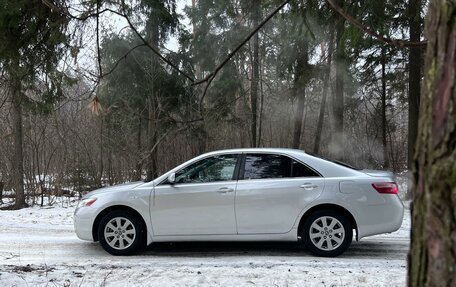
(378, 173)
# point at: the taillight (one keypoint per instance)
(386, 187)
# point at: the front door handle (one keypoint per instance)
(308, 186)
(225, 190)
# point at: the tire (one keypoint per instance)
(121, 232)
(327, 233)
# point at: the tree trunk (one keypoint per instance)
(260, 116)
(414, 67)
(433, 246)
(110, 171)
(255, 73)
(302, 74)
(384, 122)
(138, 172)
(100, 155)
(152, 135)
(298, 118)
(2, 185)
(337, 144)
(152, 139)
(194, 28)
(321, 115)
(18, 138)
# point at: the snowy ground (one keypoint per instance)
(39, 248)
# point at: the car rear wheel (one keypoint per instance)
(120, 232)
(327, 233)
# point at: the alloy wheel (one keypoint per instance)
(119, 233)
(327, 233)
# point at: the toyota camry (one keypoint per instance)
(266, 194)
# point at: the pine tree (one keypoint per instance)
(32, 39)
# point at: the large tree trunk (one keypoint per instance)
(433, 248)
(414, 67)
(18, 138)
(255, 73)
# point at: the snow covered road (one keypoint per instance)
(39, 248)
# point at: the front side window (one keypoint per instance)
(258, 166)
(216, 168)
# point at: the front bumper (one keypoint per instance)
(83, 222)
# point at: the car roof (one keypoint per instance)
(256, 150)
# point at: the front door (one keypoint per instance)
(200, 202)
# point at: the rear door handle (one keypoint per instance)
(308, 186)
(225, 190)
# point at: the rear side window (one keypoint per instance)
(258, 166)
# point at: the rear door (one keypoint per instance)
(272, 191)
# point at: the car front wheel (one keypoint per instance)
(120, 232)
(327, 233)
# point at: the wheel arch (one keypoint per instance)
(107, 210)
(329, 206)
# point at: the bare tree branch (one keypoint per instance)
(159, 140)
(153, 48)
(123, 58)
(97, 14)
(212, 75)
(84, 17)
(354, 22)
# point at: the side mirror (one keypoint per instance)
(172, 178)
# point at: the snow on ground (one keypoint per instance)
(38, 247)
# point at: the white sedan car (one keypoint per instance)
(255, 194)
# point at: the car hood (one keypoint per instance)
(114, 188)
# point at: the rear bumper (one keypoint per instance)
(381, 218)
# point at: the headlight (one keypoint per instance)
(87, 202)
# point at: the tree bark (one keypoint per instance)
(432, 260)
(256, 14)
(414, 69)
